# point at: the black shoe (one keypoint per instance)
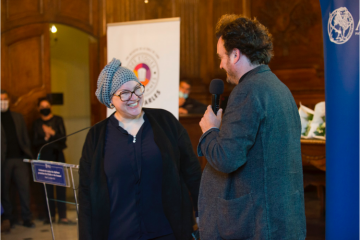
(66, 222)
(13, 223)
(29, 224)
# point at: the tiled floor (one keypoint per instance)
(314, 220)
(43, 232)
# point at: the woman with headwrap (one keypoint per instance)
(137, 168)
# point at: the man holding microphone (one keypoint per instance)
(252, 186)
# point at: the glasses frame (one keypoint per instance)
(132, 92)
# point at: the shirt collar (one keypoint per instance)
(259, 69)
(115, 123)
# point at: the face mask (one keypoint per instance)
(183, 95)
(4, 105)
(45, 111)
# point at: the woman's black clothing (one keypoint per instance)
(52, 152)
(181, 174)
(133, 169)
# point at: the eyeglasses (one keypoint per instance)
(126, 95)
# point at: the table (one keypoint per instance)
(314, 167)
(313, 153)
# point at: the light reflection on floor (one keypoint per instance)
(43, 232)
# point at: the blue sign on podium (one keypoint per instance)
(50, 173)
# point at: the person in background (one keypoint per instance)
(15, 146)
(188, 105)
(252, 186)
(48, 128)
(137, 168)
(5, 224)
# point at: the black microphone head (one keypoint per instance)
(216, 86)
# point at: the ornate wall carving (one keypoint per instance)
(298, 45)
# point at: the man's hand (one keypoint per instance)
(210, 120)
(181, 101)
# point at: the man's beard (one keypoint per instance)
(230, 77)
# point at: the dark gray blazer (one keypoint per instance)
(22, 135)
(181, 175)
(252, 186)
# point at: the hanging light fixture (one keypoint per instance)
(53, 37)
(146, 1)
(53, 29)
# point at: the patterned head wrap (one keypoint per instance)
(111, 78)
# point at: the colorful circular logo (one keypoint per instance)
(143, 73)
(146, 70)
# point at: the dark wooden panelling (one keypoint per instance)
(191, 124)
(297, 31)
(189, 39)
(86, 15)
(98, 111)
(300, 78)
(82, 14)
(25, 67)
(206, 38)
(19, 69)
(67, 8)
(295, 25)
(297, 37)
(135, 10)
(309, 97)
(15, 13)
(68, 12)
(17, 9)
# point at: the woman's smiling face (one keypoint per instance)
(131, 108)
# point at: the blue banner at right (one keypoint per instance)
(340, 20)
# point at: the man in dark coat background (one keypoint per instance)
(15, 146)
(252, 186)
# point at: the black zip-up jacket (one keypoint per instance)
(181, 175)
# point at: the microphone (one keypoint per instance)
(216, 88)
(38, 156)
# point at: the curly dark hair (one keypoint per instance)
(249, 36)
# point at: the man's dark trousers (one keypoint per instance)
(18, 171)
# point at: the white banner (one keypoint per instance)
(152, 50)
